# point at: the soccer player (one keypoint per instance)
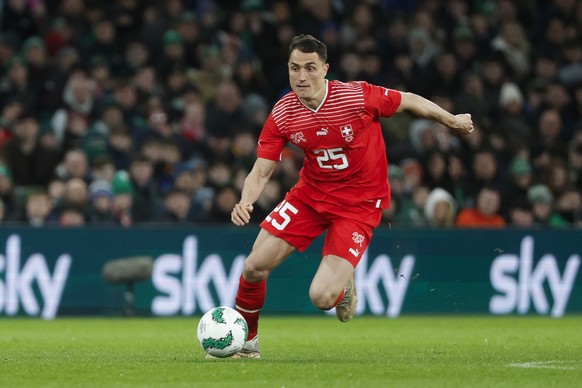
(343, 184)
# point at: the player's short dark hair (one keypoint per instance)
(308, 44)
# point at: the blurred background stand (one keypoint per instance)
(128, 271)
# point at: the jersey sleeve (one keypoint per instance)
(271, 141)
(381, 101)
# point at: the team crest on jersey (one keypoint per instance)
(347, 132)
(297, 137)
(358, 238)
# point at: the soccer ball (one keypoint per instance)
(222, 332)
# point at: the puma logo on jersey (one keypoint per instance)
(321, 132)
(355, 252)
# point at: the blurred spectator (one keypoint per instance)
(2, 213)
(123, 192)
(555, 176)
(189, 31)
(76, 193)
(486, 212)
(520, 180)
(568, 209)
(31, 163)
(436, 175)
(119, 146)
(147, 85)
(125, 97)
(248, 75)
(224, 117)
(514, 128)
(146, 189)
(71, 122)
(56, 191)
(459, 179)
(38, 210)
(15, 83)
(72, 216)
(494, 75)
(176, 208)
(103, 42)
(74, 165)
(224, 200)
(575, 163)
(211, 74)
(41, 73)
(191, 177)
(103, 169)
(157, 124)
(520, 214)
(485, 169)
(513, 43)
(441, 76)
(8, 116)
(100, 211)
(472, 99)
(411, 210)
(440, 209)
(7, 193)
(548, 143)
(219, 175)
(17, 17)
(172, 52)
(192, 128)
(542, 202)
(244, 150)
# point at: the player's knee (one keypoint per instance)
(254, 273)
(322, 300)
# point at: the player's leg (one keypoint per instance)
(330, 281)
(347, 238)
(268, 252)
(291, 225)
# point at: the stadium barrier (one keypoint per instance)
(58, 272)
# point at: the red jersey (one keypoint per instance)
(345, 155)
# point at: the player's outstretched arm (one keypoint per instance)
(252, 188)
(462, 124)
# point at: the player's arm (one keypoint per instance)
(253, 187)
(421, 107)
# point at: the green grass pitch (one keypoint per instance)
(411, 351)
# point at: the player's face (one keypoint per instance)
(307, 77)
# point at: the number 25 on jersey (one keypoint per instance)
(332, 158)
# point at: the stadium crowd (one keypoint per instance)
(132, 112)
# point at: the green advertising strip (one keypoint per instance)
(53, 272)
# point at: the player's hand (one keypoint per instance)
(463, 124)
(241, 214)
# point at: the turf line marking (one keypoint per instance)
(561, 365)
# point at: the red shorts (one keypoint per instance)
(298, 219)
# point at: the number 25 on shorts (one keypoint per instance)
(282, 209)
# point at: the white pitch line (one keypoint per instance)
(560, 365)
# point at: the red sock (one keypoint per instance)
(339, 298)
(250, 299)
